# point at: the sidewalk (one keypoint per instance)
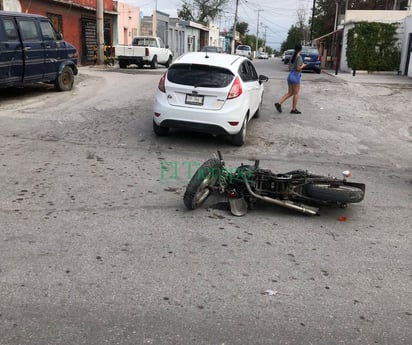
(363, 77)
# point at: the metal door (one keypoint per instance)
(11, 57)
(33, 50)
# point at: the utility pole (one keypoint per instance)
(257, 32)
(154, 19)
(99, 31)
(311, 22)
(234, 29)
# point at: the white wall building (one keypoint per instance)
(353, 16)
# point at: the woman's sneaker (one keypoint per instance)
(278, 107)
(295, 111)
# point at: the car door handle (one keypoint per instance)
(48, 46)
(27, 48)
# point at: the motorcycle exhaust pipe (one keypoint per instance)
(288, 204)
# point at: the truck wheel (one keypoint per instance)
(169, 62)
(153, 64)
(122, 64)
(65, 80)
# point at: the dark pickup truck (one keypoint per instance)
(32, 51)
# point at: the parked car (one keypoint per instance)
(244, 50)
(31, 51)
(215, 93)
(311, 58)
(262, 55)
(212, 49)
(287, 54)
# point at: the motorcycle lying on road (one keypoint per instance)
(298, 190)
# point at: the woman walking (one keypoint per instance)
(296, 66)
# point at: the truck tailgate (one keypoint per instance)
(129, 51)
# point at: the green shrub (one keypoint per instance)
(373, 47)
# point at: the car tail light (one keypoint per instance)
(146, 51)
(161, 85)
(235, 90)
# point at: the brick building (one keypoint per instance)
(76, 19)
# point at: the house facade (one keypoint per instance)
(399, 17)
(76, 20)
(126, 24)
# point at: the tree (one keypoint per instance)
(242, 28)
(324, 18)
(295, 35)
(373, 47)
(201, 11)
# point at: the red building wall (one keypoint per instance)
(72, 15)
(70, 18)
(107, 4)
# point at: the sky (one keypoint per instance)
(275, 17)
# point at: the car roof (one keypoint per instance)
(21, 14)
(228, 61)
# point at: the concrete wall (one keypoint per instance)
(406, 50)
(128, 24)
(10, 5)
(375, 16)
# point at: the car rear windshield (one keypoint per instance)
(199, 75)
(312, 51)
(243, 48)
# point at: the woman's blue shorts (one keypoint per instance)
(294, 77)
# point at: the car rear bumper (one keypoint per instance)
(208, 121)
(194, 126)
(312, 66)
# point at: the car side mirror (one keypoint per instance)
(263, 78)
(59, 36)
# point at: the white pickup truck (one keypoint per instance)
(145, 50)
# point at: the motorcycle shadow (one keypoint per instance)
(262, 208)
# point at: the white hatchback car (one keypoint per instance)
(209, 92)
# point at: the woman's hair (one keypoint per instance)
(298, 48)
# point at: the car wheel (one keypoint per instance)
(169, 62)
(259, 109)
(65, 80)
(159, 130)
(153, 64)
(238, 139)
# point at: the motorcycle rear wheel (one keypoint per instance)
(340, 194)
(199, 187)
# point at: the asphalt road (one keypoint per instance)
(96, 246)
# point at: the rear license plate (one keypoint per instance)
(307, 58)
(194, 99)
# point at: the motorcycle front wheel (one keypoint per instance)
(200, 186)
(331, 193)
